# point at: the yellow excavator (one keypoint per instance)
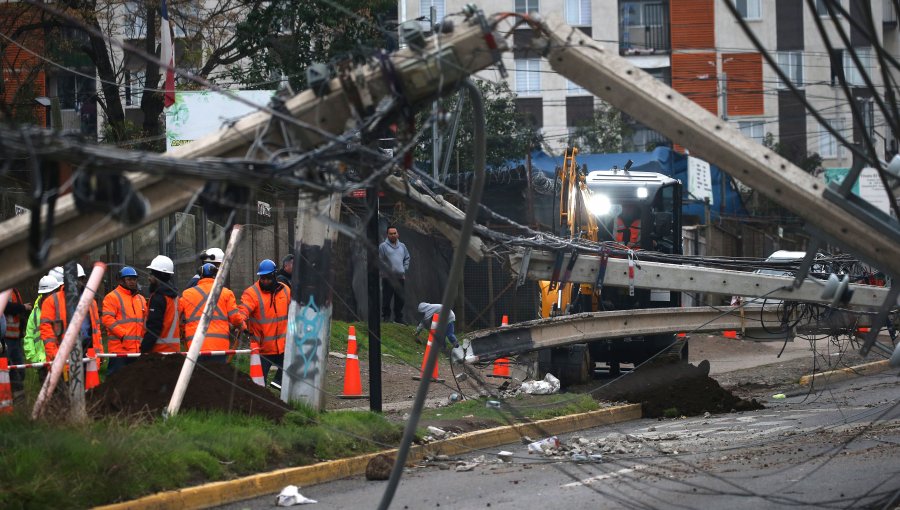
(627, 211)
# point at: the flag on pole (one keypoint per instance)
(167, 55)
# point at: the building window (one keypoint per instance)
(573, 89)
(528, 76)
(852, 74)
(749, 9)
(578, 13)
(828, 144)
(791, 63)
(526, 6)
(439, 8)
(134, 87)
(822, 10)
(753, 129)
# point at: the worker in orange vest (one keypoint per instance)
(264, 305)
(628, 227)
(16, 313)
(162, 332)
(190, 308)
(54, 324)
(124, 311)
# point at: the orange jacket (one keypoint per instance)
(634, 236)
(123, 317)
(54, 323)
(266, 315)
(190, 308)
(14, 321)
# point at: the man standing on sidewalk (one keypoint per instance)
(395, 257)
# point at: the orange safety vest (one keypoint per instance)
(13, 321)
(123, 317)
(267, 316)
(169, 339)
(190, 308)
(634, 237)
(54, 323)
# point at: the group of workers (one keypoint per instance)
(164, 323)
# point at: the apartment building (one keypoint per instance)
(699, 48)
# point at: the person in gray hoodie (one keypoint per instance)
(395, 257)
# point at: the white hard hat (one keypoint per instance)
(215, 255)
(57, 272)
(162, 264)
(80, 270)
(48, 284)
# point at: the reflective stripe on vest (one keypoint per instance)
(13, 322)
(634, 230)
(171, 337)
(125, 319)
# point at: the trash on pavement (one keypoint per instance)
(436, 432)
(291, 496)
(548, 386)
(505, 456)
(779, 396)
(466, 466)
(543, 445)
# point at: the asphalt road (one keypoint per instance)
(839, 448)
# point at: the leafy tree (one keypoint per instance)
(285, 37)
(811, 162)
(606, 131)
(510, 134)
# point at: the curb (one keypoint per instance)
(847, 373)
(220, 493)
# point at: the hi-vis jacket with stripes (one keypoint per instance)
(123, 317)
(266, 315)
(54, 323)
(190, 308)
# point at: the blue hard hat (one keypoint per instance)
(127, 271)
(266, 267)
(208, 270)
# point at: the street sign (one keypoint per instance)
(699, 179)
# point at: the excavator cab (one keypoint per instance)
(640, 211)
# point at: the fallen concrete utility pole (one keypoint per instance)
(73, 334)
(604, 73)
(564, 330)
(212, 301)
(675, 277)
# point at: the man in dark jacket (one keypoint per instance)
(285, 274)
(162, 331)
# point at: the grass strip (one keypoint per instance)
(519, 408)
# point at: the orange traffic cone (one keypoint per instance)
(256, 372)
(6, 398)
(352, 382)
(501, 365)
(434, 376)
(91, 376)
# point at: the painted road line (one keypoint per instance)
(606, 476)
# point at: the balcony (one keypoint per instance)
(644, 28)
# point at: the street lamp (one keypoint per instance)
(46, 102)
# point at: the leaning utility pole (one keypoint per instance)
(309, 316)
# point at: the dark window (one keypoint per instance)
(579, 110)
(532, 108)
(789, 24)
(837, 66)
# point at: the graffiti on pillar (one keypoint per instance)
(307, 328)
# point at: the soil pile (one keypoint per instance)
(675, 389)
(146, 386)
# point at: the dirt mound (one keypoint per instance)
(146, 387)
(675, 389)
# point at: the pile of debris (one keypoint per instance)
(145, 388)
(674, 389)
